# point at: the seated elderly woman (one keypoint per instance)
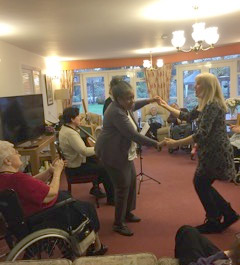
(154, 120)
(35, 195)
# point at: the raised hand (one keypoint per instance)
(163, 103)
(156, 99)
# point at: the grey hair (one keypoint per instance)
(115, 80)
(5, 150)
(120, 89)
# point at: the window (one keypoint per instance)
(224, 70)
(77, 94)
(95, 93)
(189, 98)
(141, 85)
(223, 75)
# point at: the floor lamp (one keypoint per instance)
(61, 95)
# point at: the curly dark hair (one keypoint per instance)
(69, 114)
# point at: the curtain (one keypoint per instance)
(66, 82)
(158, 81)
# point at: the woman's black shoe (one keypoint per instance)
(229, 220)
(96, 191)
(99, 252)
(210, 227)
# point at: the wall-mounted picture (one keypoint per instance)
(49, 91)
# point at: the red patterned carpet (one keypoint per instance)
(163, 207)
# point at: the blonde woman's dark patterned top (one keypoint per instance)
(215, 153)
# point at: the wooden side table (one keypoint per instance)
(34, 151)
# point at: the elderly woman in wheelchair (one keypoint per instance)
(40, 218)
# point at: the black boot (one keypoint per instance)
(230, 217)
(210, 226)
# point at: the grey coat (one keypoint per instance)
(114, 141)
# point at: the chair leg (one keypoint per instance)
(97, 202)
(69, 188)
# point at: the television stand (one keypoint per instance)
(33, 150)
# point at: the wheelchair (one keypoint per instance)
(178, 132)
(31, 238)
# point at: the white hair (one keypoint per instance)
(5, 150)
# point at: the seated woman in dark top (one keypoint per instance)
(179, 128)
(35, 195)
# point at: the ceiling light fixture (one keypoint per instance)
(200, 34)
(149, 63)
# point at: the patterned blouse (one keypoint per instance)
(215, 153)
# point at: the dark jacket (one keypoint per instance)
(114, 141)
(107, 102)
(215, 153)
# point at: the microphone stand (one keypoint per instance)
(142, 174)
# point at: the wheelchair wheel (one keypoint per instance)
(43, 244)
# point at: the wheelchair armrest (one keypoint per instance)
(37, 217)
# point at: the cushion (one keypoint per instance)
(130, 259)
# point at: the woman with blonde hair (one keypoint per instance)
(215, 154)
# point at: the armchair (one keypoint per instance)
(164, 130)
(95, 121)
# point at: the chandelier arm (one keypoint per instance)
(181, 50)
(207, 48)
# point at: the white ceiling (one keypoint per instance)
(102, 29)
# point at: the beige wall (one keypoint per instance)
(11, 60)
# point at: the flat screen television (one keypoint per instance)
(21, 118)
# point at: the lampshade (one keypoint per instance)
(178, 39)
(147, 64)
(159, 62)
(198, 31)
(61, 94)
(211, 35)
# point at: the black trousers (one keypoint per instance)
(213, 203)
(93, 167)
(71, 215)
(154, 127)
(190, 245)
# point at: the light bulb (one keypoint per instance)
(147, 64)
(211, 35)
(178, 39)
(198, 31)
(159, 62)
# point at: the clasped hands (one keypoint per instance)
(170, 143)
(57, 164)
